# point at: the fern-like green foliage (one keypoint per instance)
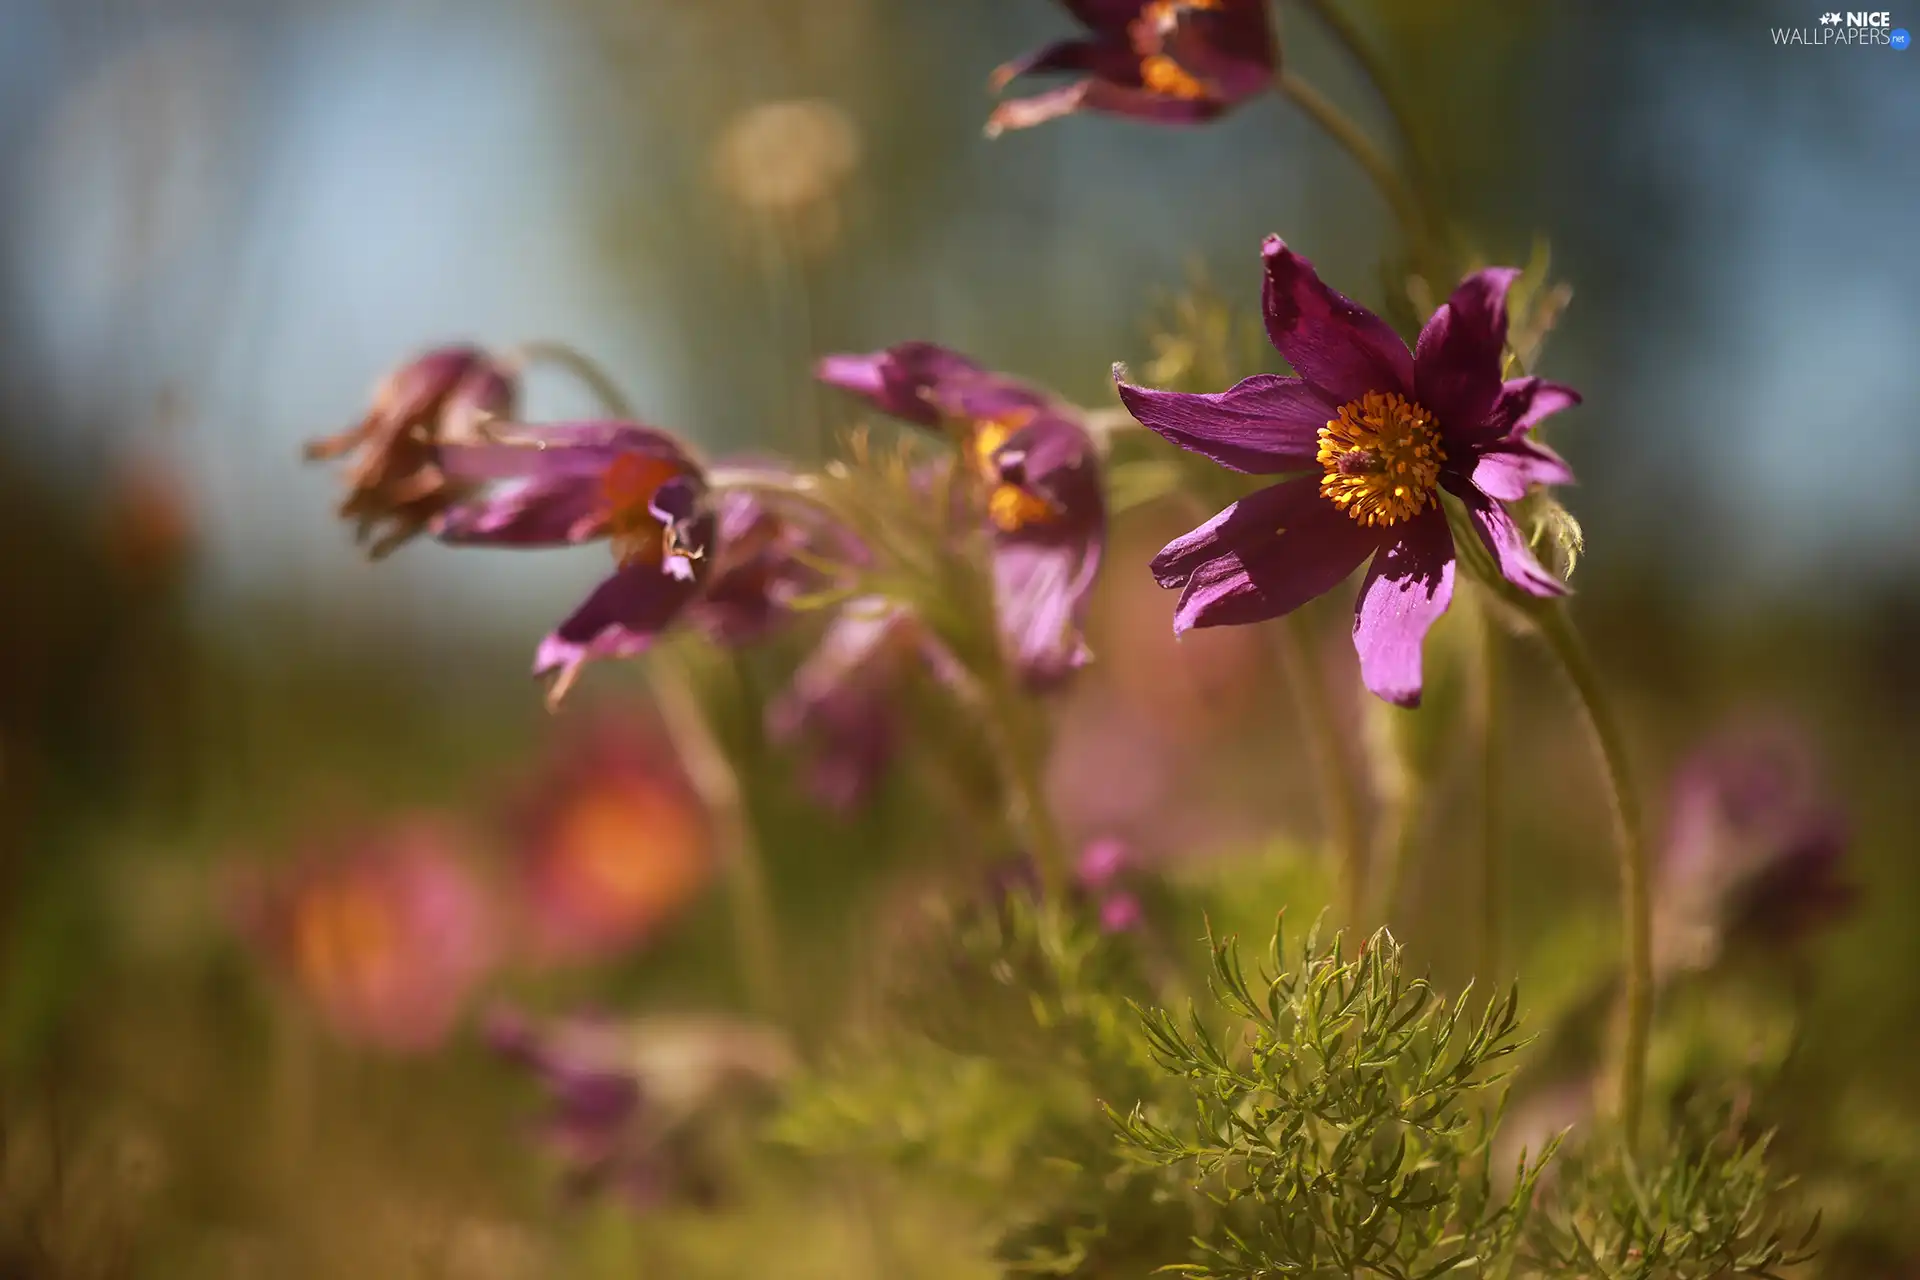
(1707, 1206)
(1343, 1123)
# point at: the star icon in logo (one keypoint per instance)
(1829, 19)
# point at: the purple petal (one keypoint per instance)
(1230, 48)
(1458, 358)
(1121, 98)
(1265, 556)
(1409, 585)
(1510, 468)
(1041, 591)
(1263, 425)
(1120, 913)
(1342, 349)
(1111, 16)
(1505, 541)
(899, 379)
(1101, 862)
(621, 618)
(553, 511)
(1102, 58)
(1524, 402)
(1052, 456)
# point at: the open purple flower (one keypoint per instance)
(1172, 61)
(1380, 431)
(1754, 853)
(1039, 473)
(395, 486)
(633, 486)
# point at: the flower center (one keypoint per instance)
(1010, 507)
(1381, 458)
(629, 485)
(1159, 72)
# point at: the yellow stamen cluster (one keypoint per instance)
(1381, 458)
(1159, 72)
(1010, 507)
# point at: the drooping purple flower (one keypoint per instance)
(384, 929)
(631, 485)
(395, 485)
(1170, 61)
(1380, 430)
(842, 706)
(766, 558)
(1105, 879)
(1754, 850)
(1039, 472)
(626, 1101)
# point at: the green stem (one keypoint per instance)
(581, 366)
(1343, 129)
(1636, 1013)
(754, 932)
(1339, 811)
(1492, 917)
(1343, 30)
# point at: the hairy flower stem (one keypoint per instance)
(755, 936)
(581, 366)
(1339, 811)
(1492, 886)
(1343, 129)
(1636, 1011)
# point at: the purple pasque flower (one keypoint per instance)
(842, 707)
(1171, 61)
(1754, 850)
(1104, 872)
(1379, 431)
(395, 486)
(766, 559)
(626, 1099)
(633, 486)
(1038, 471)
(385, 930)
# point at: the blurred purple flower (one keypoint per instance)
(627, 1099)
(1039, 472)
(1754, 850)
(842, 706)
(760, 568)
(1387, 430)
(395, 485)
(580, 482)
(1171, 61)
(386, 931)
(611, 843)
(1105, 877)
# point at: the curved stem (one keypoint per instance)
(1636, 1012)
(713, 777)
(1343, 129)
(1339, 811)
(581, 366)
(1343, 30)
(1492, 917)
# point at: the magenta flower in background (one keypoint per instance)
(627, 1099)
(633, 486)
(386, 932)
(842, 708)
(1105, 868)
(1381, 431)
(1754, 853)
(395, 486)
(1172, 61)
(610, 843)
(1039, 471)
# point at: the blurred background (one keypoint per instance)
(221, 223)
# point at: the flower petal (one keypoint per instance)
(1524, 402)
(1408, 587)
(1103, 58)
(899, 378)
(1111, 16)
(1457, 360)
(1505, 541)
(1263, 425)
(620, 618)
(1510, 468)
(1265, 556)
(1342, 349)
(552, 511)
